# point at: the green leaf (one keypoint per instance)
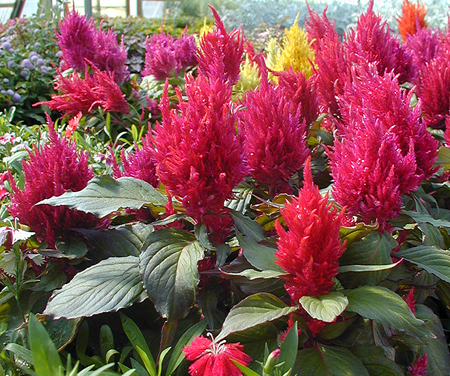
(72, 248)
(169, 271)
(103, 195)
(247, 226)
(244, 369)
(329, 361)
(367, 268)
(288, 349)
(325, 307)
(252, 274)
(376, 362)
(106, 340)
(355, 233)
(188, 336)
(431, 258)
(138, 341)
(108, 286)
(443, 158)
(385, 306)
(120, 241)
(242, 195)
(426, 218)
(45, 357)
(20, 352)
(260, 256)
(254, 310)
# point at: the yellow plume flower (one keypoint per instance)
(297, 52)
(273, 52)
(248, 78)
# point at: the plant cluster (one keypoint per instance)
(279, 213)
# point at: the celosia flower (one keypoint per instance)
(434, 90)
(409, 299)
(249, 77)
(73, 124)
(199, 156)
(50, 171)
(318, 28)
(220, 52)
(372, 42)
(424, 46)
(370, 171)
(212, 358)
(412, 19)
(166, 55)
(296, 52)
(141, 164)
(309, 251)
(387, 102)
(419, 366)
(77, 40)
(86, 94)
(273, 50)
(275, 140)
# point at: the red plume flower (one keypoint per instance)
(419, 366)
(319, 28)
(412, 19)
(310, 249)
(275, 139)
(50, 171)
(199, 156)
(220, 53)
(211, 358)
(424, 46)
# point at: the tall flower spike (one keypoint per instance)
(412, 19)
(370, 171)
(275, 140)
(211, 358)
(424, 46)
(319, 28)
(199, 156)
(50, 171)
(309, 251)
(372, 42)
(220, 52)
(390, 104)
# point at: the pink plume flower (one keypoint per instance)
(309, 251)
(166, 55)
(372, 42)
(50, 171)
(424, 46)
(220, 53)
(199, 155)
(211, 358)
(370, 171)
(319, 28)
(275, 140)
(419, 366)
(387, 102)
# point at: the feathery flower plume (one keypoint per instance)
(220, 52)
(296, 52)
(76, 40)
(372, 42)
(50, 171)
(319, 28)
(212, 358)
(390, 104)
(370, 171)
(424, 46)
(309, 251)
(199, 156)
(166, 55)
(275, 140)
(86, 94)
(249, 76)
(412, 19)
(419, 366)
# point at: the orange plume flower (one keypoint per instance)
(412, 19)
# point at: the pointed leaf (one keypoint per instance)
(424, 217)
(169, 271)
(254, 310)
(325, 307)
(247, 226)
(376, 362)
(431, 258)
(385, 306)
(288, 349)
(443, 158)
(103, 195)
(108, 286)
(367, 268)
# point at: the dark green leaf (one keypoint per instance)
(366, 268)
(247, 226)
(106, 340)
(426, 218)
(288, 349)
(254, 310)
(385, 306)
(443, 158)
(324, 307)
(354, 233)
(169, 271)
(328, 361)
(433, 259)
(62, 331)
(375, 362)
(103, 195)
(72, 248)
(108, 286)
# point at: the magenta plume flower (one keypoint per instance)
(387, 102)
(424, 46)
(319, 28)
(370, 171)
(309, 251)
(275, 140)
(50, 171)
(372, 42)
(166, 55)
(220, 53)
(199, 155)
(212, 358)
